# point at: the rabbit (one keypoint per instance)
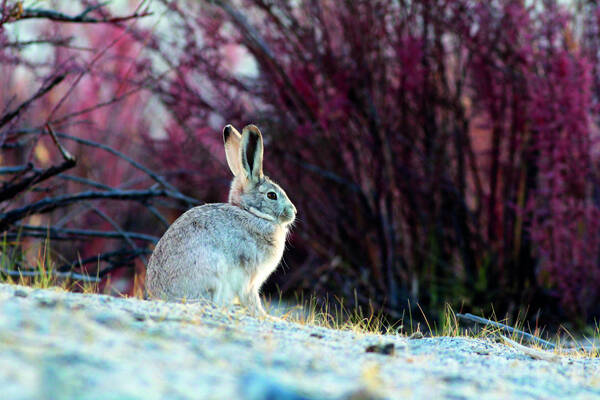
(221, 251)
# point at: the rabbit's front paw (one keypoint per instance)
(254, 305)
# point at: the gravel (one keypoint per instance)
(60, 345)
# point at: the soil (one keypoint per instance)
(60, 345)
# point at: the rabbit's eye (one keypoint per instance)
(272, 195)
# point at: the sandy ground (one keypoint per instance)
(57, 345)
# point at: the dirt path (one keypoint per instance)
(57, 345)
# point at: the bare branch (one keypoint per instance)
(17, 273)
(54, 42)
(533, 353)
(52, 203)
(69, 234)
(39, 13)
(124, 234)
(83, 181)
(261, 49)
(16, 169)
(524, 335)
(41, 91)
(174, 192)
(66, 155)
(10, 190)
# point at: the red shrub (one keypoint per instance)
(437, 151)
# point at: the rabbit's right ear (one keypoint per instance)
(232, 139)
(252, 153)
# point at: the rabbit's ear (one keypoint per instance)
(252, 153)
(232, 139)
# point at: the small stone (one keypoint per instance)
(317, 335)
(46, 302)
(385, 349)
(454, 379)
(76, 306)
(416, 335)
(482, 352)
(138, 316)
(20, 293)
(108, 319)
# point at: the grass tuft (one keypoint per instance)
(43, 274)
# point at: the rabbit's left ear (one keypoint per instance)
(232, 139)
(252, 153)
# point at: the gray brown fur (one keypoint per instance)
(225, 251)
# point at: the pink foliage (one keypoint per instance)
(565, 218)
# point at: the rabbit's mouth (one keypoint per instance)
(287, 216)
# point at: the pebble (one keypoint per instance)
(385, 349)
(47, 302)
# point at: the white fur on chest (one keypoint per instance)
(271, 261)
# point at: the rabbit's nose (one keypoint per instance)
(294, 209)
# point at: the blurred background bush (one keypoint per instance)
(437, 151)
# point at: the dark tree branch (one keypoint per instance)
(70, 234)
(83, 181)
(123, 234)
(17, 273)
(52, 203)
(10, 190)
(173, 191)
(15, 169)
(38, 13)
(58, 42)
(6, 118)
(159, 179)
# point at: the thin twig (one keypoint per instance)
(98, 106)
(511, 330)
(260, 48)
(66, 155)
(123, 258)
(10, 190)
(123, 233)
(41, 91)
(63, 275)
(534, 353)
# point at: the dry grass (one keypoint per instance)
(335, 315)
(332, 315)
(43, 275)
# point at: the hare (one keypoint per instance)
(222, 251)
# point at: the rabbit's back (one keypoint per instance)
(213, 250)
